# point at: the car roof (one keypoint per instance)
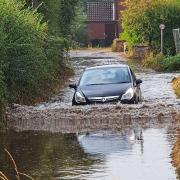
(108, 66)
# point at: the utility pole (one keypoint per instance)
(162, 27)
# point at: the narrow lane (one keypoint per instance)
(156, 87)
(97, 141)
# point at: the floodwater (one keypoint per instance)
(156, 87)
(138, 154)
(108, 142)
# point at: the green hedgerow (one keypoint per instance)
(141, 20)
(160, 62)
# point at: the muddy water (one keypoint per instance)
(108, 142)
(156, 87)
(138, 154)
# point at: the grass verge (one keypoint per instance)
(176, 155)
(176, 86)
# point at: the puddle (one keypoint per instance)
(138, 154)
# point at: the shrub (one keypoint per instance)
(66, 18)
(141, 21)
(171, 63)
(160, 62)
(154, 62)
(30, 60)
(26, 64)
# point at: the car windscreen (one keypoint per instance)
(101, 76)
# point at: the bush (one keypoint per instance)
(141, 21)
(66, 18)
(171, 63)
(30, 60)
(154, 62)
(160, 62)
(25, 60)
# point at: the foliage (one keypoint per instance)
(176, 86)
(79, 27)
(33, 47)
(26, 64)
(2, 78)
(31, 60)
(141, 21)
(66, 18)
(171, 63)
(160, 62)
(154, 61)
(60, 14)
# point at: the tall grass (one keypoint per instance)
(18, 174)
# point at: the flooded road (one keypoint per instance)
(100, 142)
(138, 154)
(156, 87)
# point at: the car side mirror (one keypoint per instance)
(139, 81)
(73, 86)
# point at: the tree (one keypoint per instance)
(141, 20)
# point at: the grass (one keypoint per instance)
(176, 155)
(18, 174)
(176, 86)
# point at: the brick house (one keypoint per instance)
(103, 21)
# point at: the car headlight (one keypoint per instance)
(79, 98)
(128, 95)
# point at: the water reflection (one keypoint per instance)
(44, 156)
(138, 154)
(106, 143)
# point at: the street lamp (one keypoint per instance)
(162, 27)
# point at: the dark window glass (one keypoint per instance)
(105, 76)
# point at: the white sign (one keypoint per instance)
(162, 26)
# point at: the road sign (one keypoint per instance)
(162, 26)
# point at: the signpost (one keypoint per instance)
(162, 27)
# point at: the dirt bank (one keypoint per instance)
(176, 155)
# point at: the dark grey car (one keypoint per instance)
(106, 84)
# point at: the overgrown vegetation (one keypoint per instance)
(176, 155)
(33, 51)
(176, 86)
(141, 21)
(17, 175)
(160, 62)
(66, 18)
